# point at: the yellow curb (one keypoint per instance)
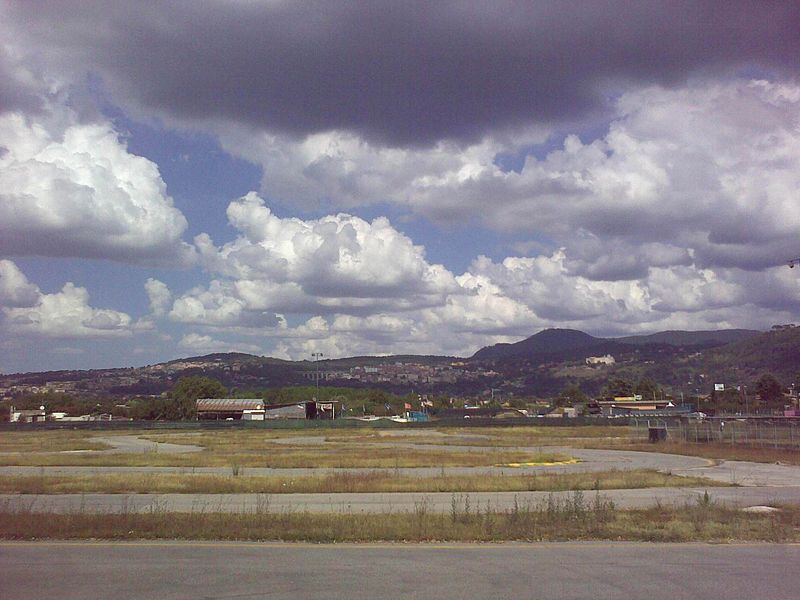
(571, 461)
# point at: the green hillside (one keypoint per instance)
(776, 351)
(691, 338)
(547, 341)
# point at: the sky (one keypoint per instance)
(287, 178)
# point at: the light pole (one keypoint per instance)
(493, 390)
(316, 356)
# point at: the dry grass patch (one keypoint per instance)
(346, 482)
(300, 449)
(717, 450)
(578, 517)
(48, 441)
(344, 456)
(508, 437)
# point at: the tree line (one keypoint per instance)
(179, 403)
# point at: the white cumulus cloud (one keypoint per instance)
(197, 343)
(73, 189)
(335, 263)
(159, 295)
(711, 169)
(67, 314)
(15, 289)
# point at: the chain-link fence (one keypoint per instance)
(756, 432)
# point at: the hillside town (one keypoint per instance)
(554, 373)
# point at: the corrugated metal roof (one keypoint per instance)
(291, 411)
(229, 404)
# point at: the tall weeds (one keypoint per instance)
(573, 517)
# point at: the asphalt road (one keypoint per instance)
(601, 571)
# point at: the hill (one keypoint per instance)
(547, 341)
(539, 366)
(559, 341)
(230, 358)
(776, 351)
(691, 338)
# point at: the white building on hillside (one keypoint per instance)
(600, 360)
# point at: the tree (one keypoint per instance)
(769, 389)
(617, 387)
(571, 395)
(184, 395)
(647, 388)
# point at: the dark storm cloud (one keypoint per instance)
(401, 72)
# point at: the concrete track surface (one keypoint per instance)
(758, 483)
(563, 571)
(736, 472)
(131, 444)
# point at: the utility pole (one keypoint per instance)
(316, 356)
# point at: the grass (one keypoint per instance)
(720, 451)
(288, 457)
(253, 448)
(578, 517)
(370, 481)
(356, 448)
(496, 437)
(47, 441)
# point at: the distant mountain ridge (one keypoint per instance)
(537, 366)
(546, 341)
(691, 338)
(552, 341)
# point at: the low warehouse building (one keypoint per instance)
(257, 410)
(312, 409)
(246, 409)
